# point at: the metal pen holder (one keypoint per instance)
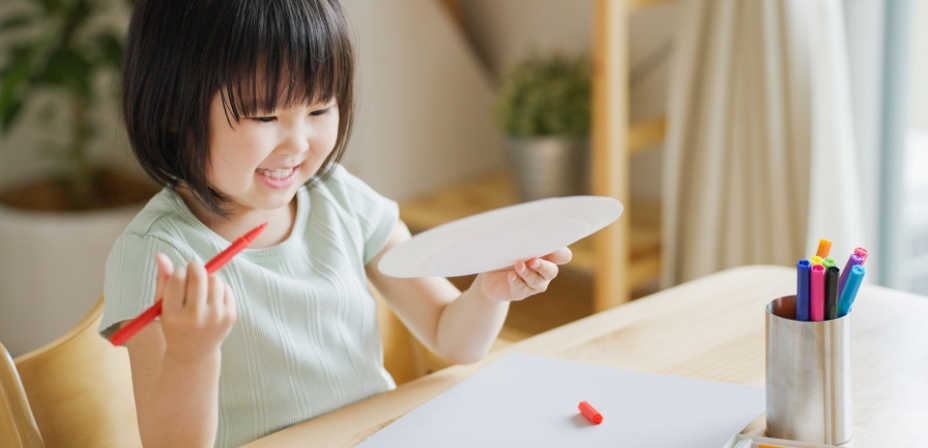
(808, 376)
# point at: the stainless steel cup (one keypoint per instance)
(808, 376)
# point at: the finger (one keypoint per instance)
(175, 291)
(165, 267)
(228, 299)
(545, 269)
(518, 289)
(216, 292)
(532, 278)
(560, 256)
(516, 284)
(197, 286)
(165, 270)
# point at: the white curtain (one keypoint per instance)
(759, 162)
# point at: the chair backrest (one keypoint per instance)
(17, 426)
(79, 388)
(403, 355)
(398, 342)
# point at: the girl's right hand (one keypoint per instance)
(198, 310)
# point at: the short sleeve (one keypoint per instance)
(131, 276)
(376, 214)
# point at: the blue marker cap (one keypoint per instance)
(849, 293)
(803, 272)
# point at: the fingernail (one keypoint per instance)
(535, 263)
(513, 278)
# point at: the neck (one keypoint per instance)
(237, 222)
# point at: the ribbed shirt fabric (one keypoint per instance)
(306, 341)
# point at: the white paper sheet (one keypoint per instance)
(531, 401)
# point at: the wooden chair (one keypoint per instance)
(79, 390)
(17, 426)
(403, 355)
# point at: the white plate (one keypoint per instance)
(500, 238)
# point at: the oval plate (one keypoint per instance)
(500, 238)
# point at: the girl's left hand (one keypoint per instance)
(525, 279)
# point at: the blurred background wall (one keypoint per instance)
(425, 108)
(428, 76)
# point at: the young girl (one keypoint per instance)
(241, 110)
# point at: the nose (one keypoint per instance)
(296, 141)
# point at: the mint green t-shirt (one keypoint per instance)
(306, 341)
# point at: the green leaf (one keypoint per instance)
(16, 22)
(13, 81)
(80, 11)
(66, 67)
(110, 47)
(10, 112)
(52, 6)
(546, 96)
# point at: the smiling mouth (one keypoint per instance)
(279, 173)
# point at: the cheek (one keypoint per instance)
(232, 158)
(329, 143)
(242, 145)
(328, 136)
(221, 171)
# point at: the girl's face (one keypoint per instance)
(261, 161)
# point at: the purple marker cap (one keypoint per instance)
(856, 259)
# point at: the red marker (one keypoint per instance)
(137, 324)
(590, 413)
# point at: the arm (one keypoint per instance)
(175, 361)
(461, 327)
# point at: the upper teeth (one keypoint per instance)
(276, 174)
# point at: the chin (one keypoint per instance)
(275, 201)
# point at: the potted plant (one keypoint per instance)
(56, 228)
(543, 105)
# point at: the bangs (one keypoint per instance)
(288, 53)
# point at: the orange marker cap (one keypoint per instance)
(824, 248)
(590, 413)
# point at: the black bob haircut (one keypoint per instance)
(180, 53)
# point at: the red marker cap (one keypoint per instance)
(590, 413)
(862, 252)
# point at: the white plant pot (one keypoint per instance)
(51, 270)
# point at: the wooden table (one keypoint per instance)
(711, 328)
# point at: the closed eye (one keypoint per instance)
(319, 112)
(270, 119)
